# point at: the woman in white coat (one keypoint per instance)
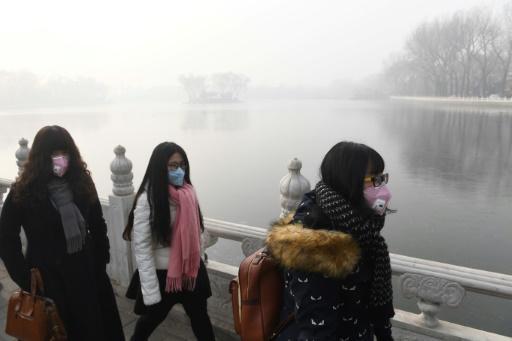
(165, 226)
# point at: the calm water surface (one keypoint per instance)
(450, 170)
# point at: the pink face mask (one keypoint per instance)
(378, 198)
(60, 165)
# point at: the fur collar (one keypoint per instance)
(332, 253)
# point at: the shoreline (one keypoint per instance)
(458, 101)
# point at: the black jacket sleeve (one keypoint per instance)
(10, 243)
(98, 229)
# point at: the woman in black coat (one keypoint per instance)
(336, 264)
(56, 203)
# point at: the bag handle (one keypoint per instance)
(36, 282)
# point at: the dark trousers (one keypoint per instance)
(194, 307)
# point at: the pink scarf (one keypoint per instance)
(184, 256)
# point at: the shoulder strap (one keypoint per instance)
(280, 327)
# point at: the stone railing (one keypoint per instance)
(4, 186)
(432, 284)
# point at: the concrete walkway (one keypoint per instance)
(175, 327)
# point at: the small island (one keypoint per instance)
(226, 87)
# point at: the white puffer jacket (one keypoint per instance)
(149, 257)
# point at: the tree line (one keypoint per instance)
(466, 54)
(24, 88)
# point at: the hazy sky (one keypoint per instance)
(152, 42)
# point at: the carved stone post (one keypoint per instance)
(292, 187)
(22, 155)
(431, 292)
(122, 175)
(21, 159)
(3, 190)
(207, 240)
(251, 245)
(120, 204)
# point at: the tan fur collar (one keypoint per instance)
(332, 253)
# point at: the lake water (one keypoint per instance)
(450, 170)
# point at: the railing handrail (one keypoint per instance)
(233, 231)
(476, 280)
(5, 182)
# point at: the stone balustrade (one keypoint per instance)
(432, 284)
(292, 187)
(22, 154)
(4, 186)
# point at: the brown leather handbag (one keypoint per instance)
(256, 296)
(34, 318)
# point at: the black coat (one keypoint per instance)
(78, 283)
(327, 280)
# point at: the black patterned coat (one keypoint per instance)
(327, 280)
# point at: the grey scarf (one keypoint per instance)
(73, 222)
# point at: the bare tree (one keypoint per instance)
(194, 86)
(502, 48)
(487, 31)
(467, 54)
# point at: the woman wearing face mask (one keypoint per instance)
(56, 203)
(336, 263)
(165, 227)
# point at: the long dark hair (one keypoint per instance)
(155, 184)
(32, 183)
(344, 168)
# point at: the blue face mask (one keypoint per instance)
(176, 177)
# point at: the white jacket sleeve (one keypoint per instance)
(144, 254)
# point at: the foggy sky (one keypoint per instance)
(148, 43)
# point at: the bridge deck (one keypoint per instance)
(175, 327)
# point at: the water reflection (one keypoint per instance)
(466, 151)
(221, 119)
(438, 160)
